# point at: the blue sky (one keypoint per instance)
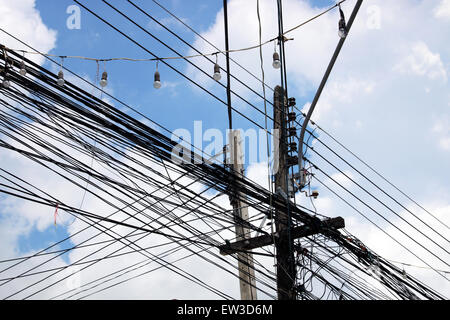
(174, 107)
(132, 81)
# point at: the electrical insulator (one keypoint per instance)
(293, 147)
(292, 116)
(292, 132)
(291, 102)
(291, 161)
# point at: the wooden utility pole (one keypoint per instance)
(246, 266)
(285, 258)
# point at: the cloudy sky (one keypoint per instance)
(387, 100)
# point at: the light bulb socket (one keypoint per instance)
(276, 60)
(276, 56)
(342, 24)
(216, 68)
(157, 76)
(104, 80)
(23, 70)
(61, 80)
(217, 76)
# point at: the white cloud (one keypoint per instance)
(22, 20)
(443, 10)
(441, 129)
(29, 215)
(344, 178)
(387, 90)
(399, 132)
(423, 62)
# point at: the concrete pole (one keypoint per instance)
(247, 282)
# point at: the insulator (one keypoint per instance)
(291, 161)
(292, 116)
(292, 132)
(293, 147)
(291, 102)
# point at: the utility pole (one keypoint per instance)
(285, 258)
(283, 239)
(284, 236)
(246, 266)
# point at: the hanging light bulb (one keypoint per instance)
(5, 84)
(276, 60)
(217, 76)
(405, 276)
(157, 83)
(22, 70)
(104, 80)
(60, 80)
(342, 25)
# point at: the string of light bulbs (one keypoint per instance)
(157, 76)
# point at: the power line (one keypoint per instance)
(146, 141)
(381, 176)
(368, 219)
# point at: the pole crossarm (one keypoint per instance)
(266, 240)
